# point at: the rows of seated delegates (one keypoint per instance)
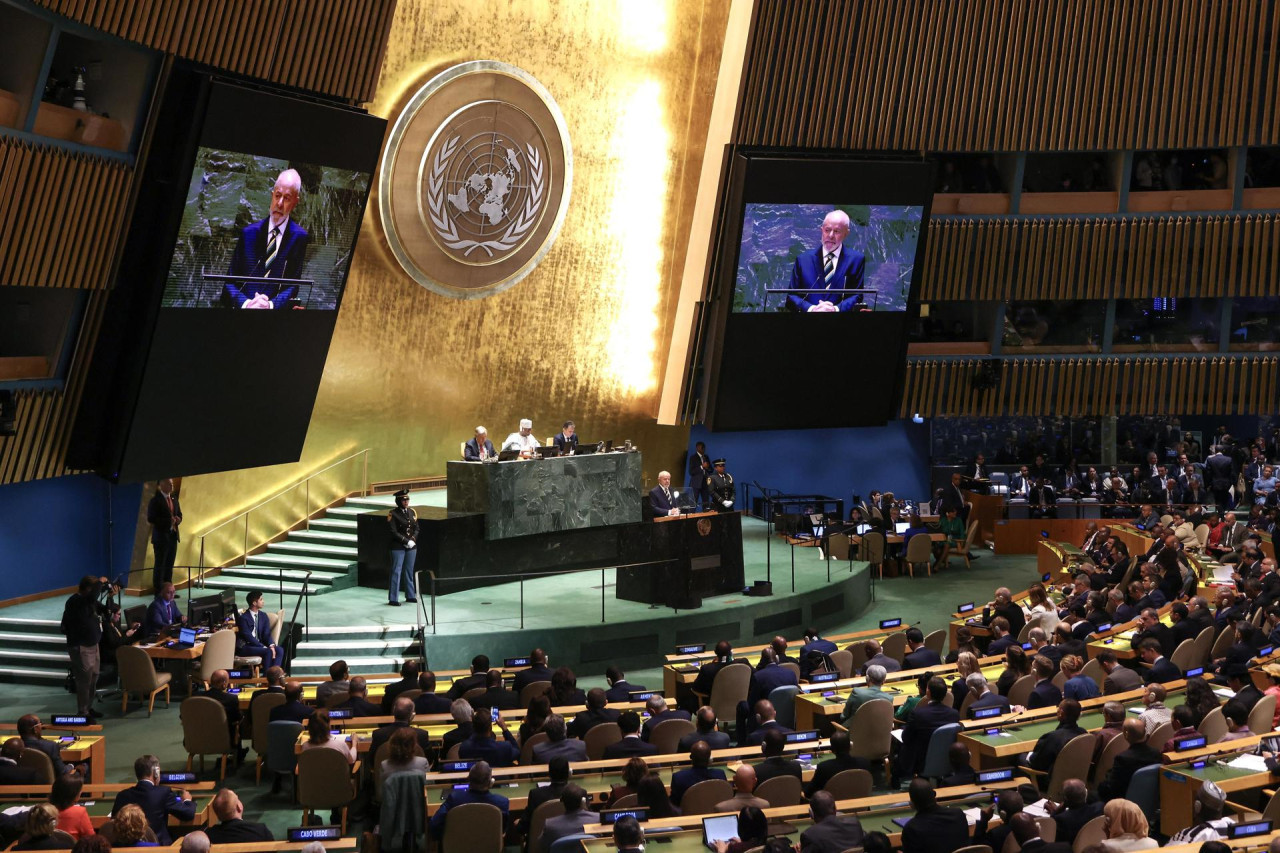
(1047, 719)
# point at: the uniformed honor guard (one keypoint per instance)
(720, 485)
(404, 545)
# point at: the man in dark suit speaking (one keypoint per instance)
(272, 248)
(830, 266)
(661, 498)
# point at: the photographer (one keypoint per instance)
(82, 626)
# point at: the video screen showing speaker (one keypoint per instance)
(825, 258)
(815, 285)
(240, 245)
(265, 233)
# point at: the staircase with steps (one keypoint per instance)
(365, 649)
(327, 549)
(32, 651)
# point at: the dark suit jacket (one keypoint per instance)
(778, 766)
(1184, 629)
(707, 674)
(1126, 764)
(525, 677)
(499, 752)
(238, 831)
(714, 739)
(926, 717)
(937, 830)
(764, 681)
(757, 737)
(11, 774)
(998, 646)
(921, 658)
(49, 748)
(629, 747)
(360, 707)
(157, 803)
(472, 451)
(621, 691)
(1050, 744)
(807, 273)
(565, 444)
(500, 698)
(1070, 821)
(246, 622)
(394, 689)
(160, 519)
(683, 780)
(1010, 611)
(1044, 695)
(589, 719)
(1039, 845)
(1161, 633)
(1162, 670)
(646, 731)
(823, 773)
(659, 502)
(470, 682)
(160, 615)
(572, 750)
(296, 712)
(989, 700)
(431, 703)
(250, 257)
(835, 834)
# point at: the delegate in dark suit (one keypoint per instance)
(164, 514)
(253, 638)
(807, 274)
(834, 834)
(160, 615)
(661, 501)
(237, 831)
(628, 747)
(1126, 764)
(565, 444)
(927, 717)
(250, 259)
(1161, 671)
(157, 803)
(936, 830)
(12, 774)
(472, 451)
(1071, 820)
(525, 677)
(683, 780)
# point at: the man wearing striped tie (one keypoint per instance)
(272, 248)
(831, 266)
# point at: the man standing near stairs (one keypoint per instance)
(404, 543)
(164, 514)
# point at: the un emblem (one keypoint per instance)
(475, 180)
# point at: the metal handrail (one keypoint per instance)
(306, 481)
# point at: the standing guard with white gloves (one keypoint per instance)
(404, 553)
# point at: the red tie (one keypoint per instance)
(169, 500)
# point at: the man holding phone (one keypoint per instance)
(483, 745)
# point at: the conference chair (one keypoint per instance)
(936, 760)
(138, 675)
(571, 843)
(840, 547)
(531, 690)
(462, 450)
(1092, 833)
(1202, 534)
(261, 705)
(666, 735)
(1184, 656)
(526, 748)
(473, 828)
(784, 703)
(871, 732)
(781, 791)
(857, 657)
(728, 689)
(1204, 645)
(935, 642)
(474, 693)
(969, 696)
(1224, 642)
(325, 782)
(1107, 757)
(791, 667)
(282, 735)
(1262, 715)
(412, 693)
(219, 653)
(972, 848)
(1160, 734)
(599, 737)
(204, 731)
(1059, 680)
(1020, 692)
(1271, 811)
(919, 553)
(455, 753)
(1072, 763)
(549, 809)
(843, 659)
(628, 801)
(1144, 791)
(895, 646)
(702, 797)
(850, 784)
(1093, 669)
(872, 550)
(1214, 726)
(34, 759)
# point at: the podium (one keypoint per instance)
(691, 557)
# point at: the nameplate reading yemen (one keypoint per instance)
(475, 179)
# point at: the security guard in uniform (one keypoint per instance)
(404, 544)
(720, 485)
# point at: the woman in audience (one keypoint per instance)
(1200, 699)
(966, 665)
(93, 844)
(130, 828)
(964, 643)
(753, 829)
(320, 737)
(400, 755)
(1017, 664)
(1038, 602)
(632, 773)
(1126, 829)
(1077, 686)
(73, 819)
(564, 689)
(42, 820)
(1237, 715)
(651, 793)
(534, 717)
(1091, 485)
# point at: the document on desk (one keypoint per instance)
(1223, 573)
(1249, 761)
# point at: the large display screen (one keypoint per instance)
(262, 232)
(813, 289)
(823, 258)
(248, 212)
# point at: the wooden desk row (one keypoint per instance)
(98, 799)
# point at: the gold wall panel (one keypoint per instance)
(411, 373)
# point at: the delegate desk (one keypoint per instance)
(98, 798)
(1231, 766)
(351, 843)
(1017, 733)
(1119, 638)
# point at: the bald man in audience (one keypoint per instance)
(744, 784)
(699, 771)
(10, 772)
(830, 832)
(1139, 754)
(232, 828)
(358, 699)
(876, 657)
(194, 842)
(705, 731)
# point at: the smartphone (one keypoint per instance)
(494, 714)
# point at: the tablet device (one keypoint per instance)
(719, 828)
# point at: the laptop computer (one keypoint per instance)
(508, 455)
(547, 451)
(186, 638)
(719, 828)
(901, 527)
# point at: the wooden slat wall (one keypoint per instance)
(1101, 257)
(1200, 385)
(1011, 75)
(329, 46)
(64, 215)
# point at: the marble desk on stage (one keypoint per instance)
(577, 512)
